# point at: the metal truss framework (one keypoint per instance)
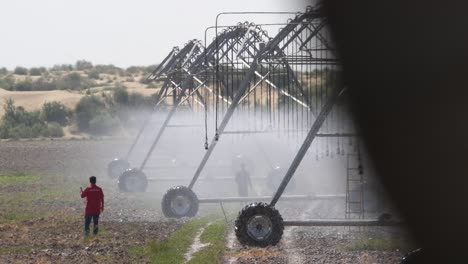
(217, 70)
(299, 64)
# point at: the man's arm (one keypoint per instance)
(84, 193)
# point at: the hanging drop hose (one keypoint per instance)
(206, 126)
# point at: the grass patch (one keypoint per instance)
(28, 195)
(14, 178)
(174, 248)
(15, 216)
(374, 244)
(214, 234)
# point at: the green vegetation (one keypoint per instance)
(19, 123)
(103, 124)
(3, 71)
(74, 81)
(62, 67)
(55, 112)
(20, 71)
(94, 75)
(174, 248)
(71, 81)
(28, 189)
(37, 71)
(214, 234)
(88, 108)
(97, 115)
(82, 65)
(376, 244)
(12, 178)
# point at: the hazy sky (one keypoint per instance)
(119, 32)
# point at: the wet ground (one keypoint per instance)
(54, 232)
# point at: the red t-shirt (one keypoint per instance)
(94, 199)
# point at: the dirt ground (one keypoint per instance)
(53, 233)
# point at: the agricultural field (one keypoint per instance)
(41, 219)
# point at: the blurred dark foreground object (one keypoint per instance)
(406, 66)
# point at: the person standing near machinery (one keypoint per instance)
(94, 205)
(243, 181)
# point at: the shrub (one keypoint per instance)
(136, 100)
(54, 130)
(25, 85)
(93, 75)
(135, 69)
(42, 84)
(19, 123)
(103, 124)
(7, 83)
(108, 69)
(3, 71)
(74, 81)
(39, 129)
(55, 112)
(120, 95)
(21, 131)
(62, 67)
(82, 65)
(20, 71)
(88, 108)
(35, 72)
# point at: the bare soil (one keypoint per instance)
(134, 219)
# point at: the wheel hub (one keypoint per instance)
(259, 227)
(180, 205)
(132, 183)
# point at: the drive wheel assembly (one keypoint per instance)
(133, 180)
(117, 167)
(259, 224)
(179, 202)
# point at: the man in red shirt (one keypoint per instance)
(94, 204)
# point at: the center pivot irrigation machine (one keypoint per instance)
(287, 85)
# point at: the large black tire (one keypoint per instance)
(275, 177)
(133, 180)
(117, 167)
(179, 202)
(259, 224)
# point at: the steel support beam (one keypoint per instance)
(342, 222)
(267, 198)
(307, 142)
(242, 89)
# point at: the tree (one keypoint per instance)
(86, 109)
(82, 65)
(55, 112)
(20, 71)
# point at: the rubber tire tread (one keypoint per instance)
(177, 191)
(254, 209)
(132, 173)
